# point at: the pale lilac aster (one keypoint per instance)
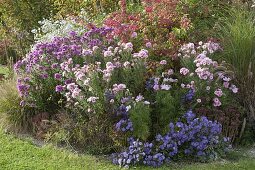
(76, 92)
(170, 72)
(143, 54)
(139, 98)
(227, 79)
(165, 87)
(216, 102)
(163, 62)
(218, 92)
(86, 52)
(108, 54)
(226, 84)
(184, 71)
(148, 45)
(134, 35)
(128, 47)
(71, 86)
(156, 87)
(92, 99)
(234, 89)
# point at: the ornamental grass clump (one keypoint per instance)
(238, 40)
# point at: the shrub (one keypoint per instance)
(159, 23)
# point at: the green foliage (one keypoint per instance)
(204, 14)
(140, 117)
(43, 95)
(167, 108)
(92, 7)
(17, 19)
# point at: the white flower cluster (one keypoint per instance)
(59, 28)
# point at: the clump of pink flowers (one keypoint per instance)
(199, 67)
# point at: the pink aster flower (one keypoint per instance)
(234, 89)
(108, 54)
(163, 62)
(216, 102)
(170, 72)
(226, 84)
(148, 45)
(134, 35)
(139, 98)
(184, 71)
(218, 92)
(76, 92)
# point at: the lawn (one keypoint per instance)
(22, 154)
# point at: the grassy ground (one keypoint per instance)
(17, 154)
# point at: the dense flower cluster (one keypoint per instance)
(51, 61)
(191, 136)
(202, 72)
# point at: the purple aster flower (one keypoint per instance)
(59, 88)
(57, 76)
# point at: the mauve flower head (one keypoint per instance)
(143, 54)
(233, 88)
(139, 98)
(134, 35)
(54, 65)
(148, 45)
(57, 76)
(216, 102)
(128, 47)
(59, 88)
(44, 76)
